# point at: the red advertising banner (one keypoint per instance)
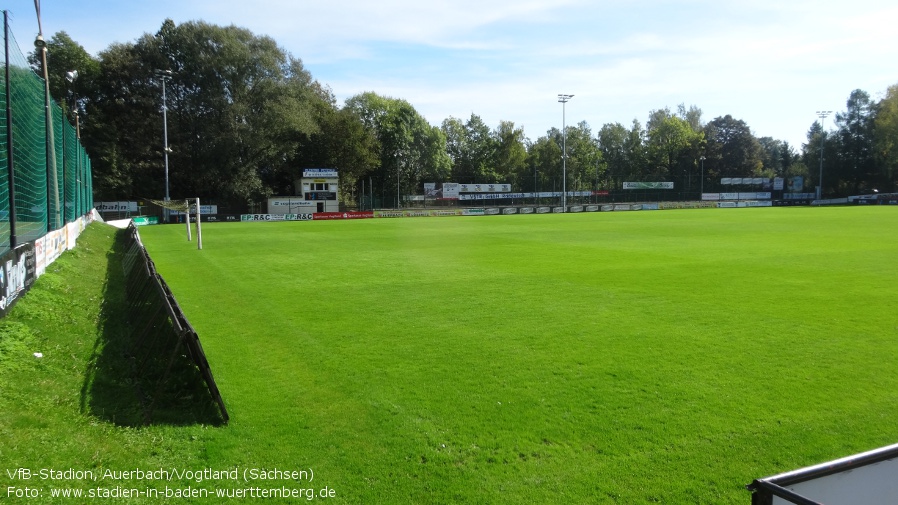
(343, 215)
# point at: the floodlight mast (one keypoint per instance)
(563, 98)
(702, 159)
(41, 45)
(70, 77)
(822, 115)
(165, 75)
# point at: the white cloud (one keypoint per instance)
(769, 62)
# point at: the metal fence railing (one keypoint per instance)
(162, 339)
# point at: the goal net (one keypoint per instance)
(188, 209)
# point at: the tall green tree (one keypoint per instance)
(544, 160)
(673, 149)
(237, 106)
(584, 158)
(124, 132)
(511, 156)
(67, 57)
(636, 152)
(456, 137)
(692, 116)
(411, 150)
(886, 139)
(472, 148)
(819, 153)
(854, 168)
(613, 144)
(342, 142)
(776, 156)
(731, 149)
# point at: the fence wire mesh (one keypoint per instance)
(44, 183)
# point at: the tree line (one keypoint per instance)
(245, 117)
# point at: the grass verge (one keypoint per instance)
(76, 407)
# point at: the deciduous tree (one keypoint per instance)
(732, 149)
(238, 106)
(411, 150)
(886, 139)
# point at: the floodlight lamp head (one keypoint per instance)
(71, 75)
(39, 42)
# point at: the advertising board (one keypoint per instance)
(484, 188)
(204, 209)
(319, 216)
(145, 220)
(421, 213)
(290, 205)
(18, 269)
(648, 185)
(329, 173)
(220, 218)
(450, 190)
(276, 217)
(116, 206)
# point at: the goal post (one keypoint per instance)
(187, 217)
(199, 229)
(184, 207)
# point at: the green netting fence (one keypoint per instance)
(45, 176)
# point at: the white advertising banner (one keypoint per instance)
(284, 205)
(451, 190)
(648, 185)
(484, 188)
(116, 206)
(323, 173)
(204, 209)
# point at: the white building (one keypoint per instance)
(320, 185)
(317, 191)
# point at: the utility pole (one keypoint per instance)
(165, 75)
(822, 115)
(564, 99)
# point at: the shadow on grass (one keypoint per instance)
(140, 375)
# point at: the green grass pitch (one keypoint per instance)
(613, 358)
(630, 358)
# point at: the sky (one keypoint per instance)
(770, 63)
